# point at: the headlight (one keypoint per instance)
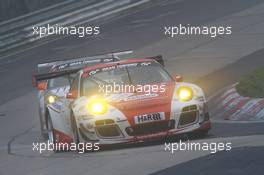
(185, 93)
(51, 99)
(97, 106)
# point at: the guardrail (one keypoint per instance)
(18, 32)
(38, 15)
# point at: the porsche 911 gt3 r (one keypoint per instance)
(88, 114)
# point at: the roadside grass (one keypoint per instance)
(252, 85)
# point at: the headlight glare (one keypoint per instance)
(97, 107)
(185, 93)
(51, 99)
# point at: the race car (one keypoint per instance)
(55, 88)
(125, 101)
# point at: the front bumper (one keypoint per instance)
(110, 131)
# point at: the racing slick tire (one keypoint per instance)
(43, 131)
(74, 130)
(51, 133)
(76, 138)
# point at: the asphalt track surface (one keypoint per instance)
(213, 63)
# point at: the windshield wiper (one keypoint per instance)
(129, 77)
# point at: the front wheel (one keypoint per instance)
(76, 138)
(51, 134)
(43, 126)
(75, 130)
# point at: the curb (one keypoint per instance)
(234, 107)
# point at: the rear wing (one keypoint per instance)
(41, 77)
(66, 67)
(157, 58)
(63, 64)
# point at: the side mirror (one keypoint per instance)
(42, 86)
(71, 95)
(178, 78)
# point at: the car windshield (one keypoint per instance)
(132, 74)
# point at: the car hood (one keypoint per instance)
(136, 104)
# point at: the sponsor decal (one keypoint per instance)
(149, 117)
(140, 97)
(93, 72)
(108, 68)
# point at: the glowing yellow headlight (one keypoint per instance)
(185, 93)
(51, 99)
(97, 106)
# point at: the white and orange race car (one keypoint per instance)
(123, 101)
